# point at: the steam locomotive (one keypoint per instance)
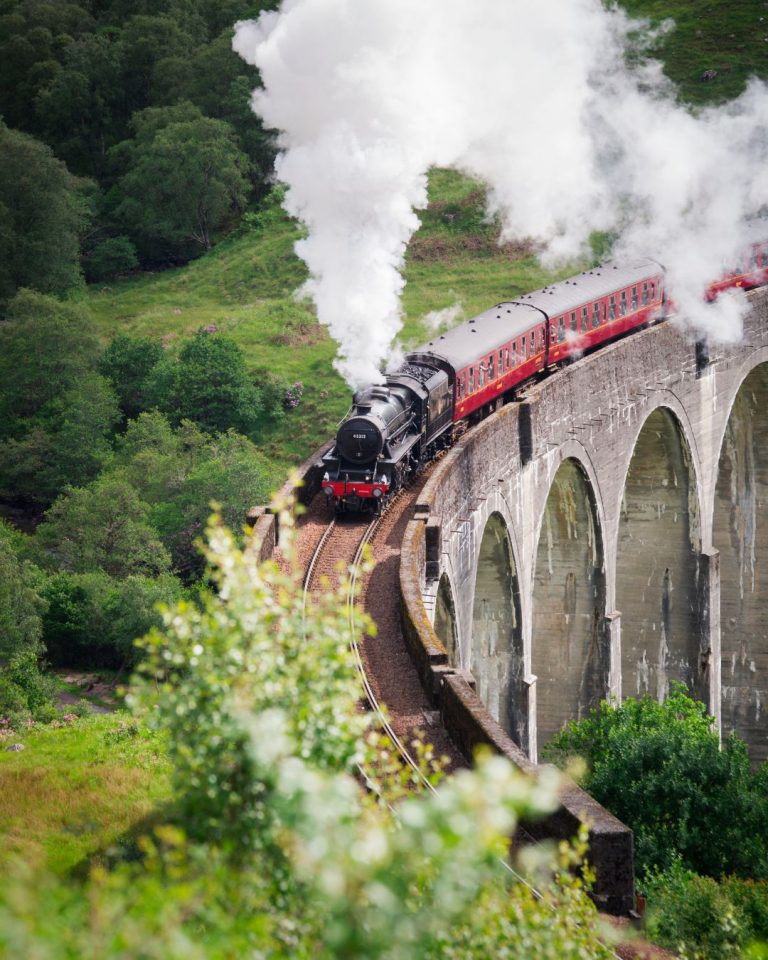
(394, 428)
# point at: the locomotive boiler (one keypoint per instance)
(390, 431)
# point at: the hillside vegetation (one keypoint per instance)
(246, 285)
(153, 360)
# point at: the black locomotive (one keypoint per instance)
(391, 430)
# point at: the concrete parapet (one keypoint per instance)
(611, 852)
(264, 523)
(426, 651)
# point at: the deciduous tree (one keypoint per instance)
(185, 177)
(21, 605)
(210, 385)
(101, 527)
(66, 442)
(46, 348)
(128, 363)
(42, 216)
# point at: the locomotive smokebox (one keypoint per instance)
(360, 440)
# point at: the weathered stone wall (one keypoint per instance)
(741, 533)
(570, 658)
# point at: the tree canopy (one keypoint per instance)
(209, 383)
(43, 212)
(179, 472)
(660, 769)
(101, 527)
(20, 603)
(77, 77)
(46, 347)
(186, 175)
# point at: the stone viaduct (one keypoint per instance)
(605, 537)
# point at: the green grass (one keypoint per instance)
(76, 789)
(245, 287)
(728, 37)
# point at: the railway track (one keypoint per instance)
(341, 547)
(338, 551)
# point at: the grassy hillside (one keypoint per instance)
(245, 287)
(729, 38)
(75, 789)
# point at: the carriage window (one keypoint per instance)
(472, 380)
(595, 315)
(623, 304)
(573, 323)
(522, 348)
(491, 373)
(532, 348)
(753, 258)
(481, 376)
(634, 298)
(501, 363)
(653, 291)
(645, 294)
(561, 329)
(506, 357)
(612, 308)
(585, 319)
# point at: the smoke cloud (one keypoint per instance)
(536, 100)
(437, 321)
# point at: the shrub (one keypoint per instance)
(293, 395)
(273, 389)
(703, 919)
(93, 620)
(25, 690)
(257, 699)
(12, 699)
(660, 769)
(110, 258)
(208, 384)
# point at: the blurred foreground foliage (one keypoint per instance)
(271, 849)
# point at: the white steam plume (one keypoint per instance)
(440, 320)
(534, 99)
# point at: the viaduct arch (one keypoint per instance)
(606, 536)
